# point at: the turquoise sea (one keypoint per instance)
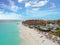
(9, 33)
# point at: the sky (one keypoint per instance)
(30, 9)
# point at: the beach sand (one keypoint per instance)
(32, 37)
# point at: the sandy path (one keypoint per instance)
(31, 37)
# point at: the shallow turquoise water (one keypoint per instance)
(9, 33)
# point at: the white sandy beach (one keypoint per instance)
(31, 37)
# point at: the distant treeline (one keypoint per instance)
(37, 22)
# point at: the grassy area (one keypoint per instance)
(55, 33)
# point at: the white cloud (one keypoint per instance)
(15, 8)
(52, 5)
(20, 1)
(12, 6)
(1, 12)
(9, 16)
(36, 4)
(27, 4)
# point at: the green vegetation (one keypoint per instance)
(45, 26)
(55, 33)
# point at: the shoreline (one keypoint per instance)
(31, 37)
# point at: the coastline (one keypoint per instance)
(31, 37)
